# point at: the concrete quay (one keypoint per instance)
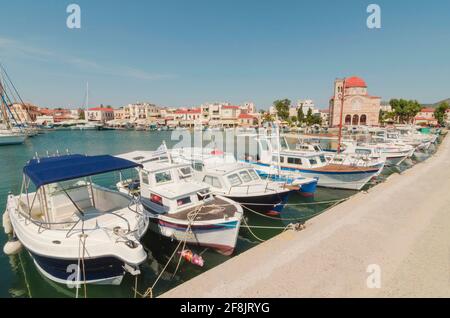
(400, 227)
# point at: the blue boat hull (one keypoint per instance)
(271, 204)
(104, 270)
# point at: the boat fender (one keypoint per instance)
(7, 225)
(12, 247)
(192, 258)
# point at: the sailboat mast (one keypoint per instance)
(3, 106)
(87, 94)
(341, 118)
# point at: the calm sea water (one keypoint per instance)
(19, 276)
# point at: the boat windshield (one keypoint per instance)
(253, 174)
(234, 179)
(163, 177)
(245, 176)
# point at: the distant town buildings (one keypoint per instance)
(359, 107)
(425, 116)
(25, 113)
(99, 114)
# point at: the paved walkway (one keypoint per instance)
(402, 226)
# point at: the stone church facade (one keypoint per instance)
(360, 108)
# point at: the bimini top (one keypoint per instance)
(55, 169)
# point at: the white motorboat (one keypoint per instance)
(313, 165)
(239, 182)
(75, 231)
(180, 207)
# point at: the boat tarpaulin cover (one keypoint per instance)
(55, 169)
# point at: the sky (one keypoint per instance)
(187, 52)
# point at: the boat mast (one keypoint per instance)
(277, 133)
(342, 114)
(3, 107)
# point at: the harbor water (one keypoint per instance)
(20, 278)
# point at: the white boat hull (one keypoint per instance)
(12, 139)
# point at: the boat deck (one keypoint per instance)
(213, 210)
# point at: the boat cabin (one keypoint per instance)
(169, 188)
(65, 193)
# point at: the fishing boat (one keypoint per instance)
(351, 155)
(215, 158)
(313, 165)
(76, 231)
(181, 208)
(234, 180)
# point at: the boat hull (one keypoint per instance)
(102, 271)
(270, 204)
(12, 140)
(219, 234)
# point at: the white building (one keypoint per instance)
(100, 114)
(142, 111)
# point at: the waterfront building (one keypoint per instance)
(359, 107)
(100, 114)
(120, 114)
(425, 116)
(75, 113)
(305, 105)
(141, 110)
(247, 120)
(386, 107)
(25, 113)
(188, 116)
(325, 116)
(44, 120)
(60, 115)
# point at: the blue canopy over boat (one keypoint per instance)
(55, 169)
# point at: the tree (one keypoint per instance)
(309, 117)
(282, 107)
(439, 113)
(300, 115)
(81, 112)
(294, 119)
(267, 117)
(405, 110)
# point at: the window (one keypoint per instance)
(234, 180)
(197, 165)
(363, 151)
(245, 176)
(253, 174)
(185, 172)
(312, 161)
(283, 143)
(322, 159)
(162, 177)
(264, 145)
(144, 177)
(212, 181)
(184, 201)
(294, 161)
(316, 148)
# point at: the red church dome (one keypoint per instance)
(354, 81)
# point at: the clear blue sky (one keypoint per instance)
(186, 52)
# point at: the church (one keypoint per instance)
(360, 108)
